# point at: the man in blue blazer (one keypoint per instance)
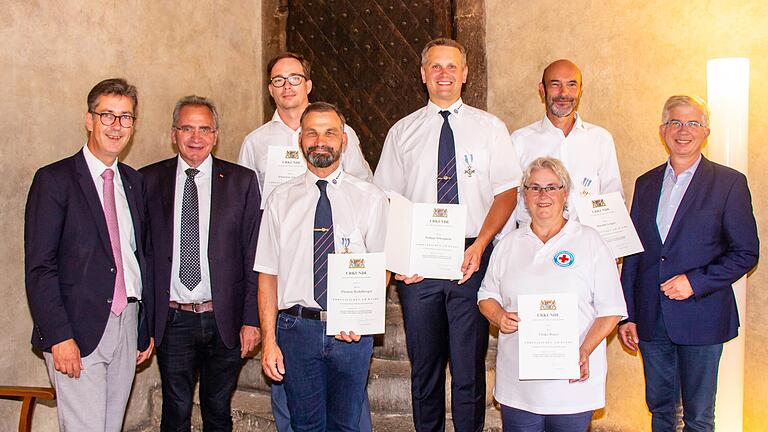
(695, 220)
(87, 273)
(204, 216)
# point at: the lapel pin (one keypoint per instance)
(221, 175)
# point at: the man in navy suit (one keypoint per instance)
(87, 276)
(694, 218)
(204, 216)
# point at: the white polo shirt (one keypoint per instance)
(486, 162)
(522, 264)
(286, 237)
(588, 154)
(255, 148)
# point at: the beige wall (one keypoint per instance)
(51, 54)
(634, 55)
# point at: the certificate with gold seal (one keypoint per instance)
(283, 164)
(608, 215)
(357, 293)
(548, 336)
(425, 238)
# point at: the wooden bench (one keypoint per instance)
(28, 396)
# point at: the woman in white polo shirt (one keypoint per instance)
(526, 262)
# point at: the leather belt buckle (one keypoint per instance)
(323, 315)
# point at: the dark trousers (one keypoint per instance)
(191, 346)
(517, 420)
(325, 378)
(675, 371)
(442, 323)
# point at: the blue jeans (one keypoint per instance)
(673, 371)
(516, 420)
(325, 378)
(192, 345)
(283, 417)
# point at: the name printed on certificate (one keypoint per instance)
(548, 336)
(426, 239)
(283, 164)
(357, 293)
(609, 216)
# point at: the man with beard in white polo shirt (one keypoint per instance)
(586, 150)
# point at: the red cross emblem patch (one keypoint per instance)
(563, 258)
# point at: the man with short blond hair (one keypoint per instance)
(449, 152)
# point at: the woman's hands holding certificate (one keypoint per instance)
(583, 365)
(348, 337)
(496, 315)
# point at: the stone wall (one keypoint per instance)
(52, 54)
(634, 55)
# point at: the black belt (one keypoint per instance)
(304, 312)
(133, 300)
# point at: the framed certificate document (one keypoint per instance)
(548, 335)
(425, 239)
(608, 215)
(357, 293)
(283, 164)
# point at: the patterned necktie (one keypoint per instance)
(189, 251)
(447, 182)
(119, 298)
(323, 243)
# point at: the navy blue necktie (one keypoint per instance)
(323, 243)
(447, 182)
(189, 249)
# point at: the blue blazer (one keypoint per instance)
(232, 237)
(713, 240)
(69, 266)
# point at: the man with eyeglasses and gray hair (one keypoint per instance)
(87, 267)
(695, 220)
(289, 84)
(204, 216)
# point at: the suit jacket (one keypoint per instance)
(712, 239)
(69, 265)
(232, 236)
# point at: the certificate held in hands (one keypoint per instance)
(425, 239)
(548, 336)
(283, 164)
(356, 293)
(608, 215)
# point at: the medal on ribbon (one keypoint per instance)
(345, 244)
(468, 159)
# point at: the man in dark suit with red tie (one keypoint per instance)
(694, 218)
(204, 216)
(87, 273)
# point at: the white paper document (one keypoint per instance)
(283, 164)
(425, 239)
(357, 293)
(548, 335)
(608, 215)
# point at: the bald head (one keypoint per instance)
(560, 89)
(559, 67)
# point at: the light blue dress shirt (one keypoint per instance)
(672, 191)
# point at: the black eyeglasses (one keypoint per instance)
(108, 119)
(294, 80)
(543, 189)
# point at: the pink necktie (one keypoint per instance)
(119, 298)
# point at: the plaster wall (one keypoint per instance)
(633, 56)
(52, 54)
